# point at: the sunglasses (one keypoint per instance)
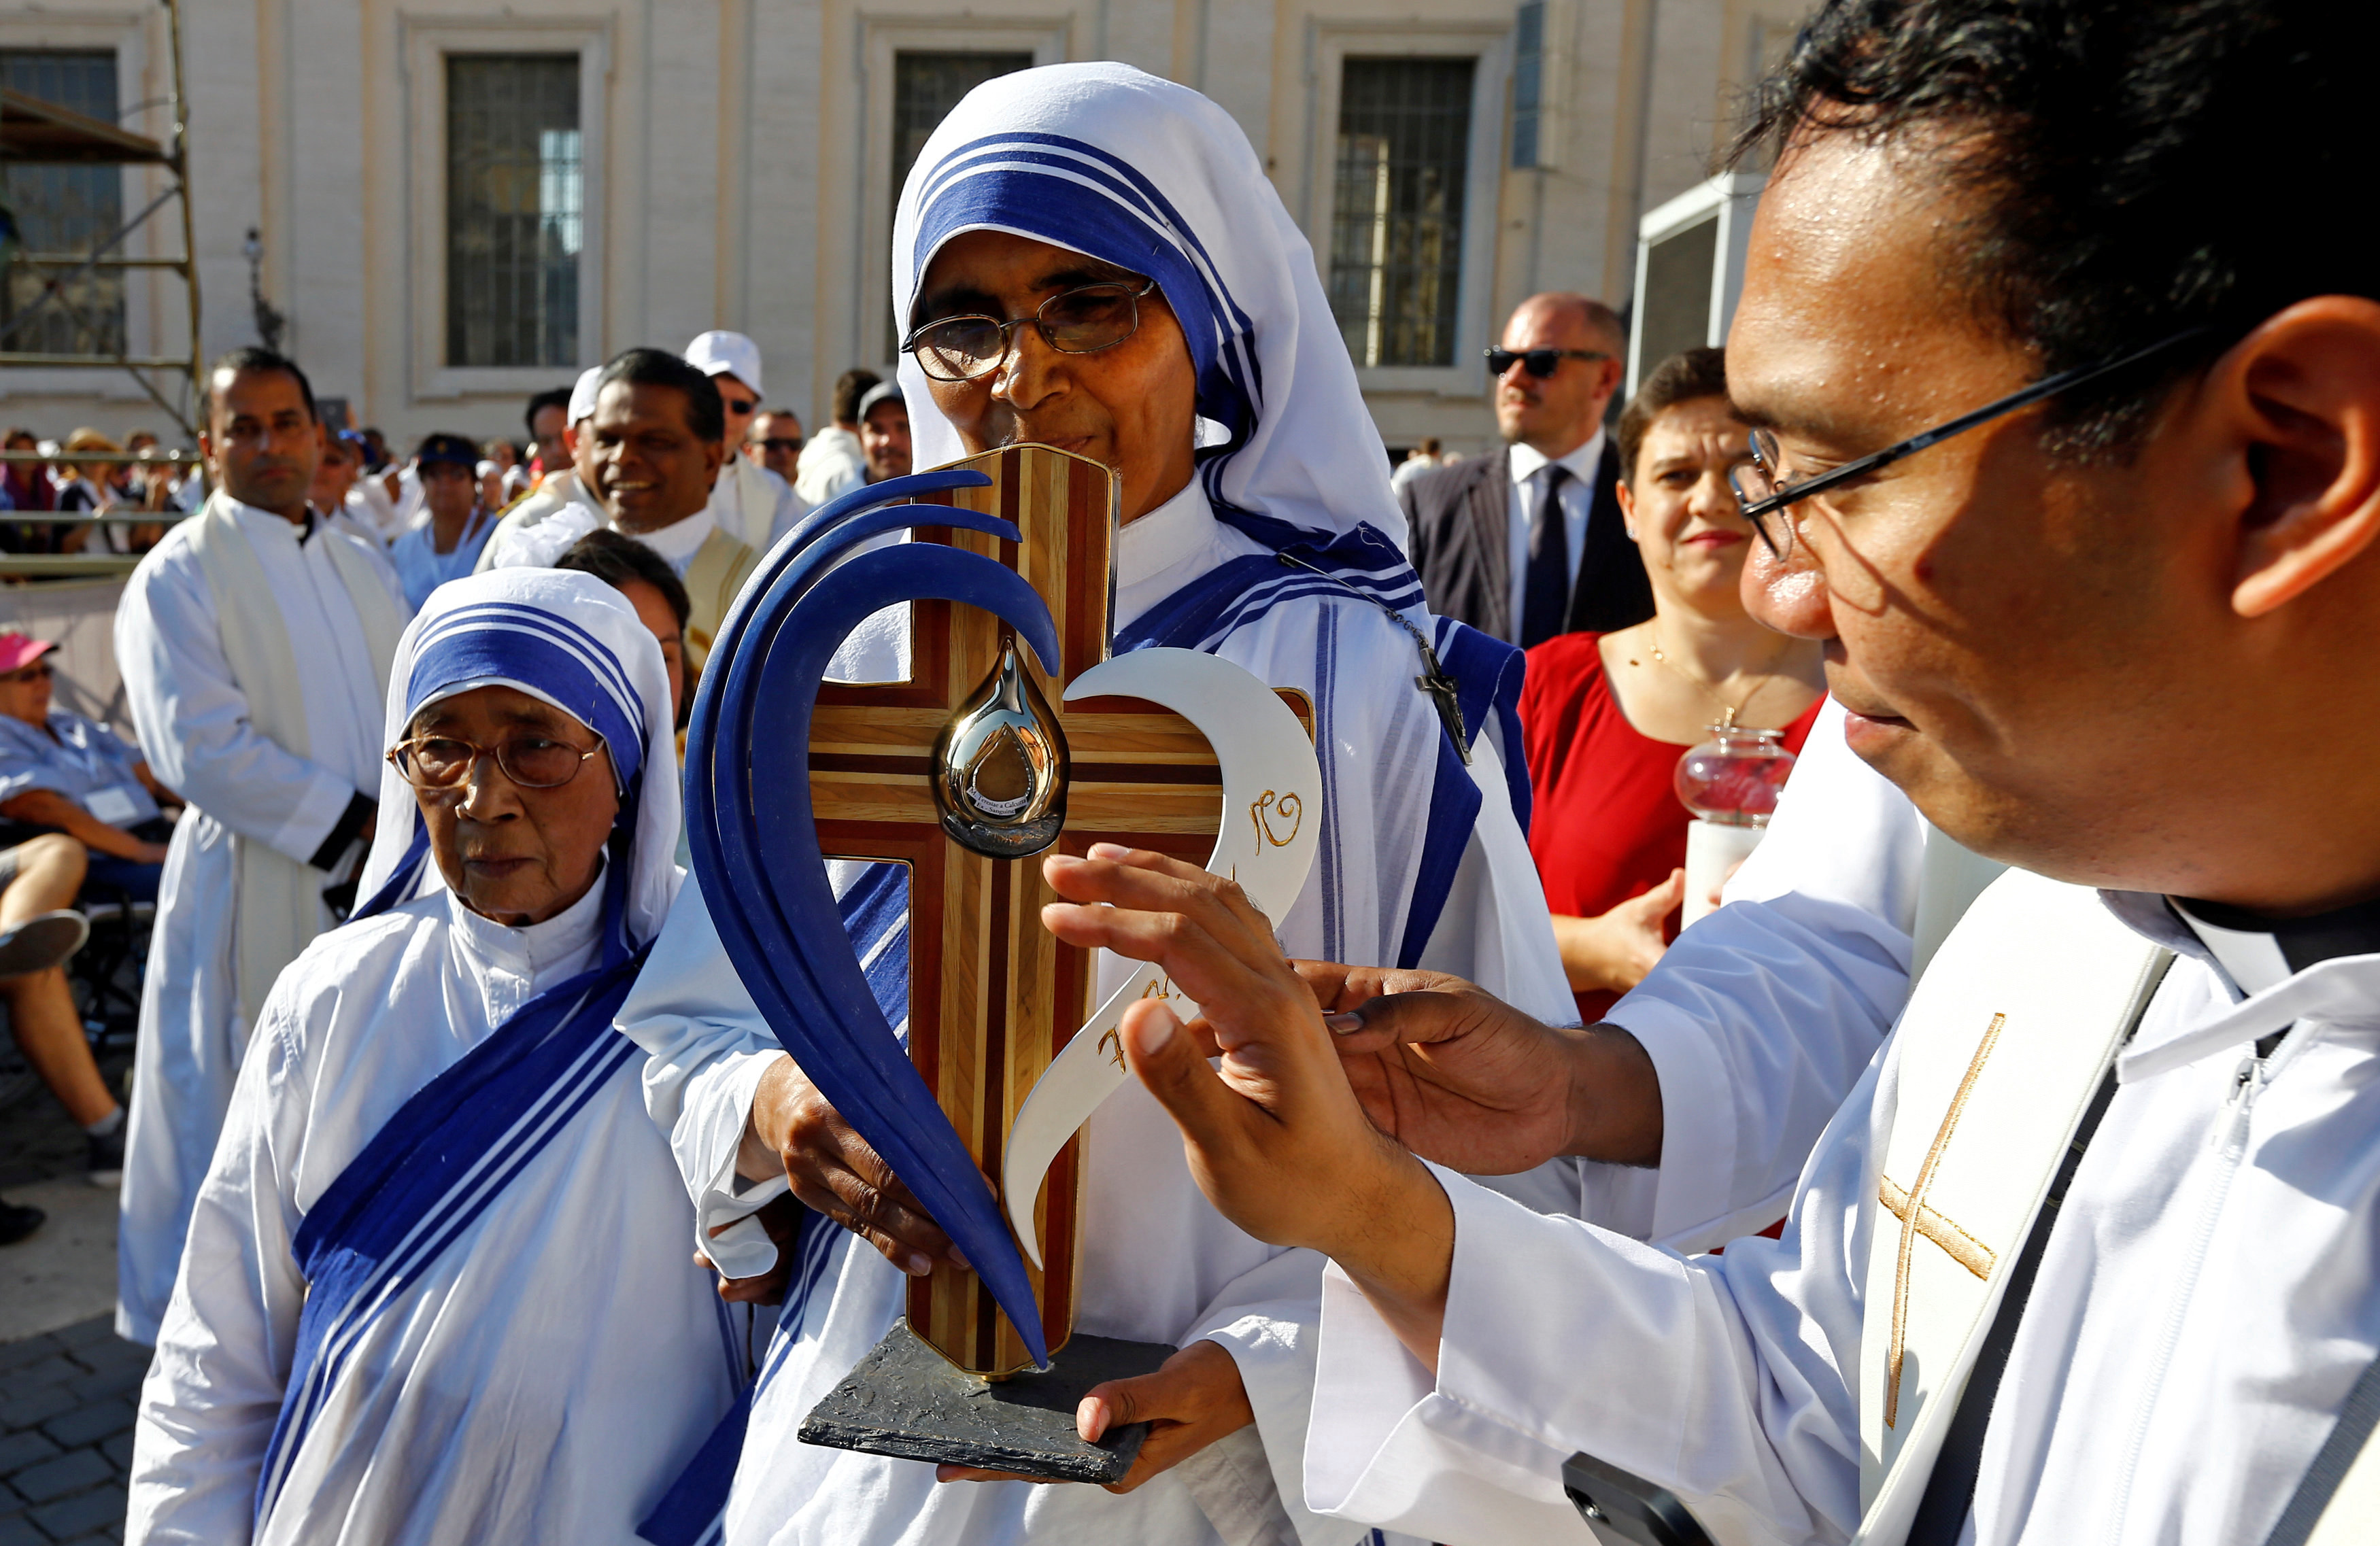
(1541, 363)
(782, 446)
(739, 405)
(38, 672)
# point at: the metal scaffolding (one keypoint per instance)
(34, 131)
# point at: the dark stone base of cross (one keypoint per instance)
(906, 1400)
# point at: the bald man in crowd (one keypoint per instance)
(1528, 541)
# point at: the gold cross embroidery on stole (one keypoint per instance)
(1918, 1217)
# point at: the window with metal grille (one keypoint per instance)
(62, 212)
(1396, 229)
(926, 85)
(515, 209)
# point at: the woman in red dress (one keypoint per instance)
(1605, 716)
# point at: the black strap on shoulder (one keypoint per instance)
(1949, 1494)
(2331, 1463)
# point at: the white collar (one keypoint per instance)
(512, 964)
(255, 521)
(1165, 535)
(1584, 461)
(677, 542)
(1172, 545)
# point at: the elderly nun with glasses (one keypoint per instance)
(1091, 257)
(434, 1291)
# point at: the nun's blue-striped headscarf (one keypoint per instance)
(1134, 171)
(574, 642)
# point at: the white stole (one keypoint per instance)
(279, 898)
(2005, 1042)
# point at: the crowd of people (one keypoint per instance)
(1993, 1166)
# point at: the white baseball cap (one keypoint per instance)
(727, 354)
(582, 393)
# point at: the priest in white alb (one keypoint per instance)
(1162, 315)
(2081, 485)
(437, 1289)
(255, 643)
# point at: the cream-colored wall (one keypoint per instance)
(739, 166)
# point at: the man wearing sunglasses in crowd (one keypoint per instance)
(750, 503)
(2078, 480)
(1529, 542)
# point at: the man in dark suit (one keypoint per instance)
(1529, 542)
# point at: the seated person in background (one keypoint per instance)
(442, 1070)
(39, 930)
(1606, 717)
(644, 577)
(446, 546)
(63, 771)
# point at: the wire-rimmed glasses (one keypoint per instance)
(444, 762)
(1763, 490)
(1082, 321)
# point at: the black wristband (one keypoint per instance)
(345, 831)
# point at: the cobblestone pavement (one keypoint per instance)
(65, 1396)
(66, 1434)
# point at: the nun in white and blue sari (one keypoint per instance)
(437, 1289)
(1282, 553)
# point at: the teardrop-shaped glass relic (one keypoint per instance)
(1000, 767)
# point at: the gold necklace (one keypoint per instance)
(1728, 711)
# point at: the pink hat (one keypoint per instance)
(17, 651)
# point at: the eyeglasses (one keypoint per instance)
(1762, 490)
(1541, 363)
(782, 447)
(738, 405)
(530, 761)
(1079, 321)
(39, 670)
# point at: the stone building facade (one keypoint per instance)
(453, 206)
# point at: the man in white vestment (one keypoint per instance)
(1196, 355)
(832, 463)
(2081, 489)
(749, 502)
(435, 1290)
(649, 452)
(254, 641)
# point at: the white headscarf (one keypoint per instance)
(1134, 171)
(573, 641)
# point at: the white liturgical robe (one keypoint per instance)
(200, 731)
(2206, 1299)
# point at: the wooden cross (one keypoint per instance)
(1918, 1218)
(992, 996)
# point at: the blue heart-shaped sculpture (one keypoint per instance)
(758, 862)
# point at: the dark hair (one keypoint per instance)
(1681, 378)
(2141, 167)
(552, 397)
(616, 560)
(255, 357)
(849, 388)
(706, 415)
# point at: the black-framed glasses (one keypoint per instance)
(1762, 490)
(440, 762)
(1079, 321)
(738, 405)
(1541, 363)
(782, 445)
